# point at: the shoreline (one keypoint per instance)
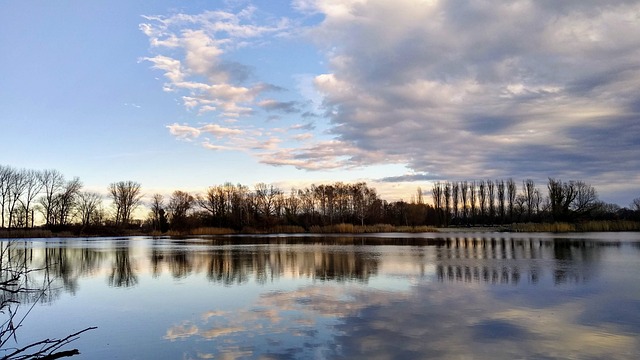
(338, 229)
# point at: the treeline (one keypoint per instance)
(58, 204)
(504, 202)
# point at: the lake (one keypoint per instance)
(385, 296)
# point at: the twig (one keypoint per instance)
(49, 346)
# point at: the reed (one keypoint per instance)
(287, 229)
(609, 225)
(277, 229)
(367, 229)
(25, 233)
(416, 229)
(556, 227)
(586, 226)
(211, 231)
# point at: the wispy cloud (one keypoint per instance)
(191, 51)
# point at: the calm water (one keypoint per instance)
(394, 296)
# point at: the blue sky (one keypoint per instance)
(184, 95)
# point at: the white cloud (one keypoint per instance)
(218, 130)
(474, 89)
(454, 89)
(183, 132)
(198, 45)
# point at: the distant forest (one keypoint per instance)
(46, 199)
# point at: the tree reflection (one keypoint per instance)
(510, 261)
(122, 271)
(234, 265)
(22, 285)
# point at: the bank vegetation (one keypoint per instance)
(44, 203)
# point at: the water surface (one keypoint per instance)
(391, 296)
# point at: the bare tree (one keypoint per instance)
(364, 199)
(455, 194)
(266, 197)
(482, 197)
(472, 200)
(65, 201)
(5, 177)
(157, 204)
(586, 198)
(528, 189)
(17, 186)
(213, 201)
(464, 190)
(180, 204)
(52, 183)
(437, 195)
(511, 196)
(635, 204)
(447, 202)
(292, 204)
(34, 185)
(491, 199)
(501, 199)
(88, 203)
(561, 195)
(126, 196)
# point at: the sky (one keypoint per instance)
(185, 95)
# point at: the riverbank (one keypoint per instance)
(590, 226)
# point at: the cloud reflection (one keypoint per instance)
(438, 317)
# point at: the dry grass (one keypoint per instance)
(556, 227)
(211, 231)
(416, 229)
(25, 233)
(612, 225)
(367, 229)
(587, 226)
(278, 229)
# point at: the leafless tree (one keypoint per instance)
(528, 189)
(157, 204)
(511, 196)
(447, 202)
(586, 198)
(52, 183)
(419, 196)
(482, 198)
(126, 196)
(635, 204)
(455, 194)
(88, 204)
(292, 204)
(436, 193)
(472, 200)
(5, 177)
(65, 200)
(561, 195)
(17, 186)
(34, 185)
(180, 204)
(266, 197)
(213, 201)
(306, 201)
(464, 190)
(501, 199)
(491, 199)
(437, 197)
